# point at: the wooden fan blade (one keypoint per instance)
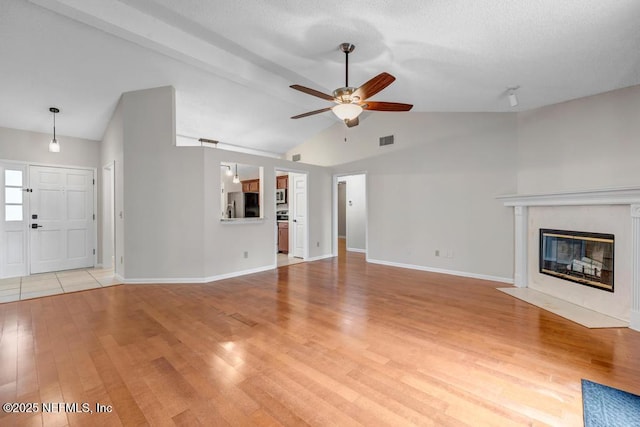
(374, 86)
(386, 106)
(313, 92)
(311, 113)
(351, 123)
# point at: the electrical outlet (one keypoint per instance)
(437, 252)
(246, 254)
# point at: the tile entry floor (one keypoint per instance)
(45, 284)
(284, 259)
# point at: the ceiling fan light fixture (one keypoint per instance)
(347, 111)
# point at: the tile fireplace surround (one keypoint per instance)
(621, 196)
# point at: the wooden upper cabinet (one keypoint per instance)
(251, 186)
(282, 182)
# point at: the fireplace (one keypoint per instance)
(580, 257)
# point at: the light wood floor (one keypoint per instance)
(331, 342)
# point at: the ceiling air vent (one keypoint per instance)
(386, 140)
(295, 157)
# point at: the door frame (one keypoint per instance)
(334, 214)
(108, 180)
(275, 208)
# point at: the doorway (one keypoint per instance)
(291, 207)
(350, 213)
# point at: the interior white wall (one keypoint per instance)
(597, 219)
(584, 144)
(226, 242)
(33, 148)
(163, 207)
(356, 212)
(436, 191)
(169, 197)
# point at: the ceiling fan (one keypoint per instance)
(352, 101)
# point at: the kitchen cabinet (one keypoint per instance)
(251, 186)
(283, 237)
(282, 182)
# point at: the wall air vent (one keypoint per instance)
(386, 140)
(296, 157)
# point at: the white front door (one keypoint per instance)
(62, 218)
(299, 187)
(13, 227)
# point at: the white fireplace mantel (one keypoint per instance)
(616, 196)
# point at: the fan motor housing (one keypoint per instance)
(344, 95)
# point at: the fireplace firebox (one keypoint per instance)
(580, 257)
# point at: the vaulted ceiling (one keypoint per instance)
(232, 62)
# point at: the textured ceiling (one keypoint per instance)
(232, 62)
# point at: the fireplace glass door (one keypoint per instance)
(581, 257)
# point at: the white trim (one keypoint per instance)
(521, 267)
(442, 271)
(319, 257)
(196, 280)
(612, 196)
(334, 210)
(634, 322)
(97, 217)
(362, 251)
(48, 165)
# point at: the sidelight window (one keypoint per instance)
(13, 197)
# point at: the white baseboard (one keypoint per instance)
(362, 251)
(318, 258)
(442, 271)
(196, 280)
(635, 320)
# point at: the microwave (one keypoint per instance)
(281, 196)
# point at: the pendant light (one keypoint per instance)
(236, 178)
(54, 145)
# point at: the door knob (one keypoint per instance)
(36, 226)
